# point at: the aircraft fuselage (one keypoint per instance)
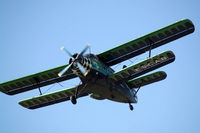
(100, 85)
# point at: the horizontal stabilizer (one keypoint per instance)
(148, 79)
(49, 99)
(146, 42)
(35, 81)
(143, 67)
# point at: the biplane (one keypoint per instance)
(98, 78)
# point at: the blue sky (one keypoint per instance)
(32, 32)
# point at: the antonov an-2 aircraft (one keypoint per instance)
(97, 77)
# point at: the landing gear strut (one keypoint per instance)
(76, 95)
(131, 106)
(73, 99)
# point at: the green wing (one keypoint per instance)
(142, 67)
(35, 81)
(51, 98)
(148, 79)
(142, 44)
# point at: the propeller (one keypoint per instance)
(75, 59)
(84, 50)
(81, 68)
(64, 70)
(63, 48)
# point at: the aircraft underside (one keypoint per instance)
(118, 93)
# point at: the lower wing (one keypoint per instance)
(147, 79)
(143, 67)
(52, 98)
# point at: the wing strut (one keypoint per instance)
(150, 51)
(38, 82)
(40, 91)
(151, 43)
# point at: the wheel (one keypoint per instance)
(131, 107)
(73, 99)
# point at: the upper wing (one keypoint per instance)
(148, 79)
(142, 44)
(35, 81)
(142, 67)
(51, 98)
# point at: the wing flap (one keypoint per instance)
(148, 79)
(51, 98)
(143, 67)
(35, 81)
(143, 44)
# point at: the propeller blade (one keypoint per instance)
(84, 50)
(63, 48)
(81, 68)
(64, 70)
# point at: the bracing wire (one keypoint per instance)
(52, 87)
(49, 88)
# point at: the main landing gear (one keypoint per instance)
(75, 96)
(131, 107)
